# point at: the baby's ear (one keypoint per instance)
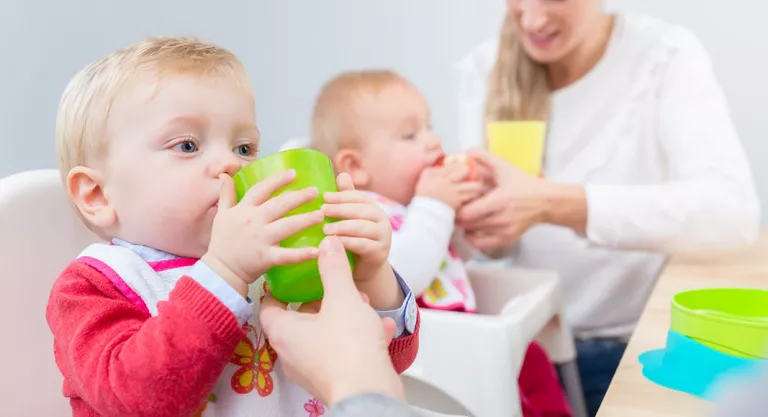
(351, 162)
(85, 187)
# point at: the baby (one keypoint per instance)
(162, 321)
(375, 126)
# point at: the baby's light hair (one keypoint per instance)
(86, 101)
(338, 104)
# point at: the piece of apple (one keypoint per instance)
(460, 158)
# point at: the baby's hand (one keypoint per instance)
(245, 240)
(448, 185)
(363, 228)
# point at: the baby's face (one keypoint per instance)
(169, 143)
(398, 141)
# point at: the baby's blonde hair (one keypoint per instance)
(86, 101)
(339, 102)
(518, 87)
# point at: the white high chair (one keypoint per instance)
(468, 364)
(40, 234)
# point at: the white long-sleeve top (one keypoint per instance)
(426, 248)
(648, 133)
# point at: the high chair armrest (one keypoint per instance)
(496, 287)
(533, 295)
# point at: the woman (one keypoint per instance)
(641, 159)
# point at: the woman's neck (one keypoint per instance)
(584, 57)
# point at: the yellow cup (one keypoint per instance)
(521, 143)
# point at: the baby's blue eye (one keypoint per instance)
(244, 150)
(187, 146)
(410, 136)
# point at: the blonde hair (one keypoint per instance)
(518, 88)
(87, 99)
(335, 113)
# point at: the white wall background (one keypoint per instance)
(292, 46)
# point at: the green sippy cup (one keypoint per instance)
(298, 282)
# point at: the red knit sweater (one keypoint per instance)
(119, 361)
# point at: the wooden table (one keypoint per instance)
(630, 394)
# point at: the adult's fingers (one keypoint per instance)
(470, 188)
(315, 306)
(311, 307)
(338, 285)
(493, 222)
(487, 159)
(483, 206)
(502, 170)
(273, 316)
(485, 174)
(486, 241)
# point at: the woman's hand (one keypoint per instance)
(516, 202)
(343, 349)
(503, 214)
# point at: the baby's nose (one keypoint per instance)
(229, 165)
(434, 143)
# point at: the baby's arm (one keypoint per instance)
(420, 243)
(123, 362)
(405, 345)
(403, 350)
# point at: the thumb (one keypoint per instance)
(338, 286)
(389, 328)
(487, 159)
(495, 168)
(228, 195)
(275, 318)
(344, 182)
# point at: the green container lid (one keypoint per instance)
(730, 320)
(298, 282)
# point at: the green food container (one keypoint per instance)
(298, 282)
(729, 320)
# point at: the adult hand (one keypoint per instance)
(516, 202)
(340, 351)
